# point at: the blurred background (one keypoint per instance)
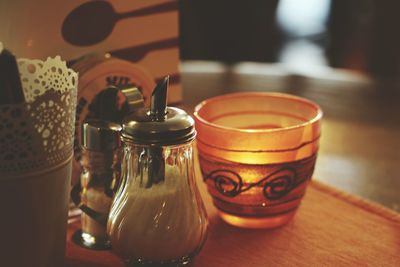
(355, 34)
(343, 54)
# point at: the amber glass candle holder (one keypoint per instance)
(257, 153)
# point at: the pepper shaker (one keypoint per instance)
(99, 178)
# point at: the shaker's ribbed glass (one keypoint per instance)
(158, 223)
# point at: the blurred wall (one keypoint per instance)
(229, 30)
(361, 34)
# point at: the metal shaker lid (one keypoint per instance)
(100, 135)
(159, 124)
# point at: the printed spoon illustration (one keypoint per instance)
(92, 22)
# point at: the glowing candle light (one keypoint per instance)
(257, 152)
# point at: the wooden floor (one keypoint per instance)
(360, 145)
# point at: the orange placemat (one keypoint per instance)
(331, 228)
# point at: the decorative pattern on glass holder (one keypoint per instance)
(275, 185)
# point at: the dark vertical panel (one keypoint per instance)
(229, 30)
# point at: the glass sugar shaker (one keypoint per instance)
(98, 181)
(157, 217)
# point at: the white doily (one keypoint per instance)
(39, 133)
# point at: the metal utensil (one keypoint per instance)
(158, 110)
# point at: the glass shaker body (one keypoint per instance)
(158, 221)
(98, 179)
(100, 163)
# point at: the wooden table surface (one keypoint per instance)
(359, 154)
(360, 144)
(331, 229)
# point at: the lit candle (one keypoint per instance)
(257, 153)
